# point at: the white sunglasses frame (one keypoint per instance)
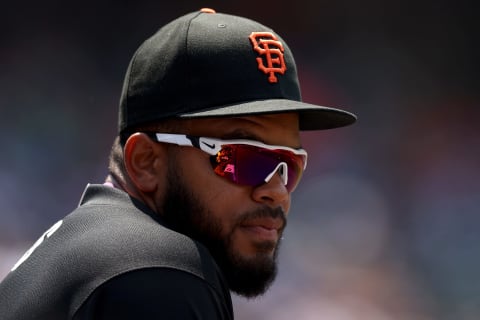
(212, 146)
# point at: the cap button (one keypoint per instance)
(207, 10)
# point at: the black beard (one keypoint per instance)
(184, 213)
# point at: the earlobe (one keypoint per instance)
(142, 157)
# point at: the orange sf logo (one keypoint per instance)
(267, 45)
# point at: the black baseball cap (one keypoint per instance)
(208, 64)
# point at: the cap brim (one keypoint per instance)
(311, 117)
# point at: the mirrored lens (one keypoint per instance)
(250, 165)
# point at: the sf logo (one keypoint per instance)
(270, 50)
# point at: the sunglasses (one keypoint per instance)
(245, 162)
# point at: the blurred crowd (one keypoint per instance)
(385, 223)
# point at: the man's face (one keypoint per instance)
(240, 225)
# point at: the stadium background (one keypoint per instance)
(384, 226)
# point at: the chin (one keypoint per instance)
(249, 275)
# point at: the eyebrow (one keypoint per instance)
(244, 134)
(241, 134)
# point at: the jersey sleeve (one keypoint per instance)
(156, 293)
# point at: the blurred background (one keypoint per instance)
(385, 225)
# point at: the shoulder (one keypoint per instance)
(125, 235)
(121, 240)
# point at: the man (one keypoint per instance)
(201, 175)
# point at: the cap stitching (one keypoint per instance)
(187, 55)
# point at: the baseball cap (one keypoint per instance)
(208, 64)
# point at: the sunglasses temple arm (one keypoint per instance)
(208, 145)
(178, 139)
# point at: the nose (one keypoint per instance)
(273, 193)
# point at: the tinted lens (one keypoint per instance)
(250, 165)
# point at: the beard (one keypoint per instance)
(246, 276)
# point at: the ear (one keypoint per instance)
(144, 161)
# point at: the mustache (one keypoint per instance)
(264, 212)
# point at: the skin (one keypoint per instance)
(147, 162)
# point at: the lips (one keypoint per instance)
(264, 229)
(266, 223)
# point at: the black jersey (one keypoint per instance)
(113, 259)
